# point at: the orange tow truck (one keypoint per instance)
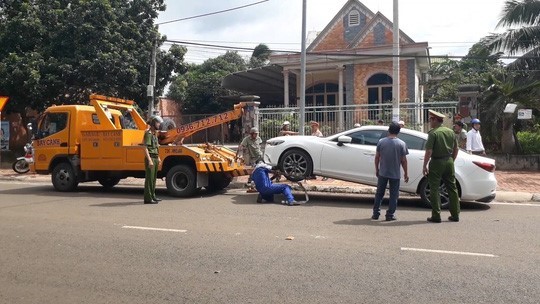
(103, 142)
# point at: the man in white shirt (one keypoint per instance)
(474, 139)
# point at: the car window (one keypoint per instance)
(413, 142)
(366, 137)
(52, 123)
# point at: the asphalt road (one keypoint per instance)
(96, 247)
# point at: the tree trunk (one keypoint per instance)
(508, 141)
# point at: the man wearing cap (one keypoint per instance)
(441, 151)
(315, 129)
(461, 134)
(251, 144)
(151, 160)
(474, 139)
(285, 129)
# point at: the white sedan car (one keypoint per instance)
(350, 156)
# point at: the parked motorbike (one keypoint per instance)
(22, 164)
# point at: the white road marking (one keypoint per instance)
(450, 252)
(155, 229)
(514, 204)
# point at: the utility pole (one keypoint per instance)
(395, 75)
(152, 82)
(302, 100)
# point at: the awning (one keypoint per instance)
(266, 82)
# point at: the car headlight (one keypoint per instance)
(274, 142)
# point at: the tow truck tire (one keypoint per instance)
(218, 181)
(109, 182)
(181, 181)
(63, 177)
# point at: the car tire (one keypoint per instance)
(63, 177)
(424, 194)
(109, 182)
(181, 181)
(296, 165)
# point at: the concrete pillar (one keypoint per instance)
(341, 113)
(250, 118)
(286, 88)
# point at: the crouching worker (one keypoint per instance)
(266, 188)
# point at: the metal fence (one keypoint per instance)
(334, 119)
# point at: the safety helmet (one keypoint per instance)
(253, 130)
(475, 121)
(286, 122)
(153, 119)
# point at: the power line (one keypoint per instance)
(213, 13)
(246, 49)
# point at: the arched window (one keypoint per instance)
(379, 91)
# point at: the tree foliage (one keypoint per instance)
(474, 68)
(259, 57)
(200, 88)
(58, 52)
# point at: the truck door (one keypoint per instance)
(52, 138)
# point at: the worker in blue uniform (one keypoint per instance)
(266, 188)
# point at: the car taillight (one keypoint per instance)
(486, 166)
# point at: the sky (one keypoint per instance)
(450, 27)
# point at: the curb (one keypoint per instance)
(504, 196)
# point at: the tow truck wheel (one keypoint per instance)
(181, 181)
(109, 182)
(218, 181)
(63, 177)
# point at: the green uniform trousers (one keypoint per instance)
(442, 170)
(150, 179)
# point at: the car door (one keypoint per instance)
(352, 161)
(415, 159)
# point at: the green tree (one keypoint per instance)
(260, 56)
(474, 68)
(58, 52)
(200, 88)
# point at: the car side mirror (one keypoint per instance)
(343, 139)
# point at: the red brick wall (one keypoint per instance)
(364, 71)
(334, 40)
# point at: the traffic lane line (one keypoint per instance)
(487, 255)
(154, 229)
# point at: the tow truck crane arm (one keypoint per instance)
(178, 134)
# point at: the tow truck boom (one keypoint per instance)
(178, 134)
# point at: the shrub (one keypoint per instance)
(530, 142)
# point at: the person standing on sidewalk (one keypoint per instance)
(461, 134)
(474, 139)
(251, 152)
(391, 153)
(441, 151)
(151, 160)
(315, 131)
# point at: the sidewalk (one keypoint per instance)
(515, 186)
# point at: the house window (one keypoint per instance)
(379, 91)
(354, 18)
(321, 95)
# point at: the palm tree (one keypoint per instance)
(504, 89)
(520, 84)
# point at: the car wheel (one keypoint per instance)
(63, 177)
(109, 182)
(425, 192)
(181, 181)
(296, 165)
